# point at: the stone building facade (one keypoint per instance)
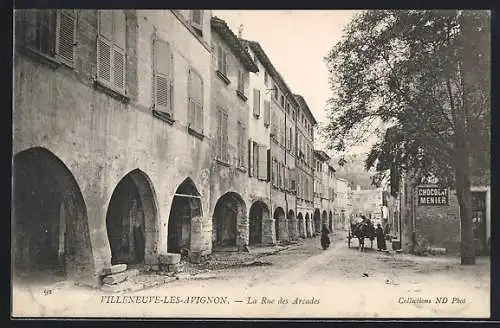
(101, 121)
(231, 68)
(139, 133)
(341, 213)
(281, 106)
(321, 197)
(429, 221)
(304, 140)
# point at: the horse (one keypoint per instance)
(362, 230)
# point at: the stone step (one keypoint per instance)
(175, 267)
(117, 268)
(120, 277)
(170, 258)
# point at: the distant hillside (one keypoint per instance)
(354, 171)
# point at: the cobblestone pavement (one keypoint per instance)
(338, 282)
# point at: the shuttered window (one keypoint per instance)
(222, 61)
(267, 113)
(293, 178)
(197, 20)
(163, 77)
(241, 82)
(262, 163)
(111, 49)
(256, 102)
(195, 101)
(256, 155)
(241, 144)
(274, 126)
(50, 32)
(273, 172)
(65, 40)
(250, 158)
(221, 151)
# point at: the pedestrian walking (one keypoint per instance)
(325, 240)
(379, 232)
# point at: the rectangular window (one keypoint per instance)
(251, 166)
(49, 32)
(163, 77)
(197, 21)
(282, 101)
(262, 163)
(266, 78)
(267, 113)
(256, 102)
(222, 61)
(256, 158)
(221, 151)
(241, 82)
(111, 60)
(275, 91)
(274, 126)
(195, 101)
(241, 144)
(273, 172)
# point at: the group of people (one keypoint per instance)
(380, 233)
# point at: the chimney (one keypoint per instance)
(240, 31)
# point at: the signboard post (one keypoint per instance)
(432, 196)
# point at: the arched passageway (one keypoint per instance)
(317, 221)
(292, 225)
(186, 205)
(324, 218)
(308, 226)
(280, 224)
(259, 216)
(229, 211)
(330, 221)
(131, 220)
(301, 223)
(50, 229)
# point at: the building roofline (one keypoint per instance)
(264, 59)
(221, 27)
(303, 103)
(322, 155)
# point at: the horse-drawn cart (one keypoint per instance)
(360, 229)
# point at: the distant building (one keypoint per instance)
(321, 191)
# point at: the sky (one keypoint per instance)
(296, 41)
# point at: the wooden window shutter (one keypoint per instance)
(66, 30)
(163, 86)
(267, 112)
(119, 27)
(218, 137)
(255, 159)
(262, 162)
(256, 102)
(104, 46)
(268, 161)
(197, 19)
(250, 158)
(225, 151)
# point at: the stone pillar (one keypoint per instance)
(243, 228)
(268, 232)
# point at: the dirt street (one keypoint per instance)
(300, 281)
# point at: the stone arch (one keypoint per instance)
(186, 212)
(308, 226)
(324, 218)
(259, 224)
(316, 221)
(301, 224)
(131, 220)
(292, 225)
(330, 221)
(51, 235)
(280, 224)
(229, 218)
